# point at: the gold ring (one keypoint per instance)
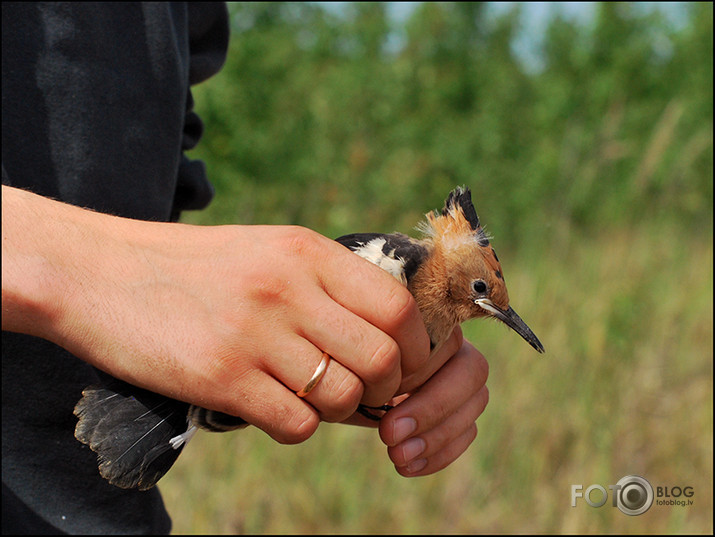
(319, 372)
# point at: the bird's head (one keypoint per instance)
(476, 285)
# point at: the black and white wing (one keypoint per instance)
(395, 253)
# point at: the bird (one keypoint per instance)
(452, 271)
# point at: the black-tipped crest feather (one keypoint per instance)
(462, 197)
(131, 429)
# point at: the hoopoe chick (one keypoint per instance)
(453, 273)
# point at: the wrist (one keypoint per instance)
(29, 286)
(54, 256)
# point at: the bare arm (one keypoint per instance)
(232, 318)
(235, 318)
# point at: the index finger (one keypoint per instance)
(374, 295)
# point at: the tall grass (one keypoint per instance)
(624, 388)
(599, 175)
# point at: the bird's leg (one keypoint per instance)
(365, 411)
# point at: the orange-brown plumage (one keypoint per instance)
(453, 273)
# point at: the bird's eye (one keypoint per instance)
(479, 287)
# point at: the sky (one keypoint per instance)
(536, 13)
(535, 18)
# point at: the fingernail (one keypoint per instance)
(416, 466)
(412, 448)
(403, 428)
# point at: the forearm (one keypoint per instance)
(67, 275)
(41, 248)
(81, 279)
(235, 318)
(212, 315)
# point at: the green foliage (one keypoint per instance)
(324, 121)
(625, 387)
(594, 172)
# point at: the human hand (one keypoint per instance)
(431, 428)
(231, 318)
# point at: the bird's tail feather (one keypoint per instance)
(130, 430)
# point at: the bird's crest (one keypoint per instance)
(462, 197)
(457, 220)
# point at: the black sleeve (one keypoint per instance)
(97, 109)
(96, 112)
(208, 43)
(208, 39)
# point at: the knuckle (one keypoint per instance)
(477, 366)
(483, 366)
(485, 396)
(300, 241)
(381, 376)
(228, 376)
(441, 410)
(400, 305)
(384, 363)
(471, 433)
(297, 430)
(420, 358)
(347, 396)
(454, 343)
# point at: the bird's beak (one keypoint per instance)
(513, 321)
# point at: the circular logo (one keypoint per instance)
(634, 495)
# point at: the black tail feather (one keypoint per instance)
(129, 429)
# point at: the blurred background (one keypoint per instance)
(586, 135)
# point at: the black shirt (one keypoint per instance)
(96, 111)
